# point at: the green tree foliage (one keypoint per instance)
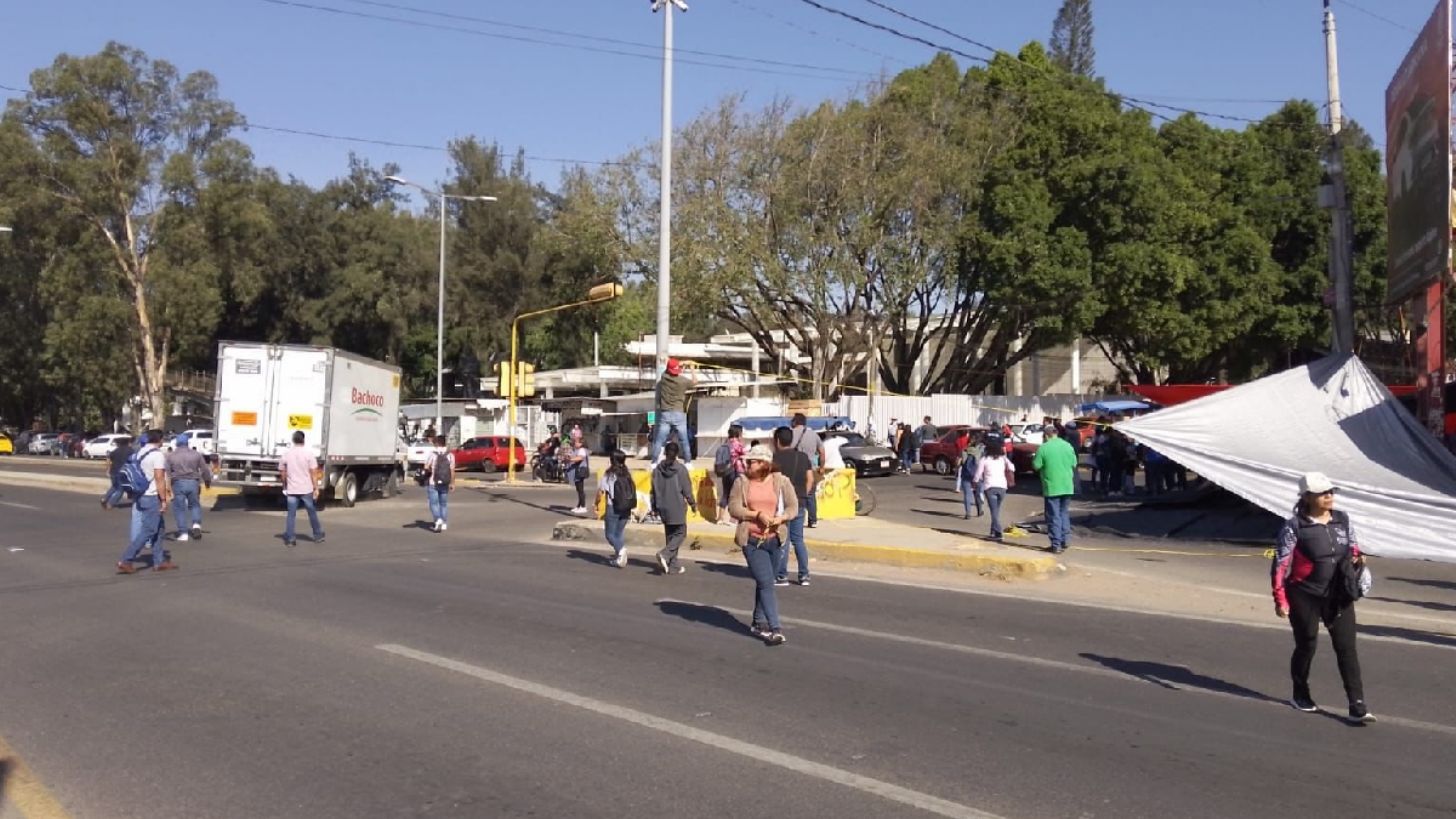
(1071, 42)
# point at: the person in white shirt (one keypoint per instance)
(441, 472)
(831, 446)
(994, 475)
(148, 523)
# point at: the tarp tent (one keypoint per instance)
(1395, 479)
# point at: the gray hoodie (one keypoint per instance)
(672, 492)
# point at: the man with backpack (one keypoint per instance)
(440, 472)
(966, 485)
(144, 478)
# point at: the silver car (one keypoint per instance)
(866, 459)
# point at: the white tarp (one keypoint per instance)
(1395, 480)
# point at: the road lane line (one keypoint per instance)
(14, 505)
(1024, 659)
(756, 753)
(20, 787)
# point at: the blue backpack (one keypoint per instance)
(134, 481)
(968, 467)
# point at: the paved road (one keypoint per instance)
(390, 671)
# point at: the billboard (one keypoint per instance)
(1418, 161)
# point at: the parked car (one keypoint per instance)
(1023, 432)
(102, 445)
(45, 443)
(942, 454)
(7, 447)
(866, 459)
(202, 440)
(1021, 455)
(489, 453)
(417, 452)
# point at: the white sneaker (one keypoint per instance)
(183, 537)
(621, 560)
(439, 525)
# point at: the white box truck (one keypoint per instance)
(347, 407)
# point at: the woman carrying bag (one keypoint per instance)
(1317, 561)
(763, 502)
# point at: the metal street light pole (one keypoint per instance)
(664, 248)
(440, 309)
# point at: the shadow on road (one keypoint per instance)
(1425, 604)
(1433, 584)
(427, 525)
(1174, 677)
(555, 509)
(6, 766)
(1411, 634)
(730, 569)
(707, 615)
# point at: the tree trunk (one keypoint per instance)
(151, 366)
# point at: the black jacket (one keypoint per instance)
(672, 492)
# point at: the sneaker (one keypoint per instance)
(105, 505)
(678, 570)
(1359, 713)
(125, 568)
(776, 638)
(290, 543)
(197, 533)
(662, 563)
(620, 561)
(761, 632)
(182, 537)
(318, 538)
(1305, 704)
(803, 581)
(444, 527)
(437, 525)
(782, 581)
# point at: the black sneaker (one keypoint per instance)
(759, 631)
(290, 543)
(1305, 704)
(197, 533)
(804, 581)
(1359, 713)
(782, 581)
(776, 638)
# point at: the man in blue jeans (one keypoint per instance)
(794, 465)
(147, 523)
(299, 471)
(672, 410)
(115, 460)
(1056, 463)
(189, 471)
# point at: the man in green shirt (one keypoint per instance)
(1056, 463)
(672, 410)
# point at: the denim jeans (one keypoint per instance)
(187, 503)
(615, 530)
(811, 503)
(971, 497)
(994, 497)
(801, 552)
(439, 503)
(727, 489)
(114, 495)
(147, 528)
(761, 562)
(313, 520)
(1058, 520)
(666, 423)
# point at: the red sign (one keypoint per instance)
(366, 398)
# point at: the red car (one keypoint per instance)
(943, 453)
(488, 453)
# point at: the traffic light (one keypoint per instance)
(526, 379)
(604, 292)
(502, 379)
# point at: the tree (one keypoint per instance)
(1071, 44)
(117, 135)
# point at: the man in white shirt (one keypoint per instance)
(299, 471)
(830, 447)
(148, 524)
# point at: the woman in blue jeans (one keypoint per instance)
(763, 502)
(617, 479)
(995, 474)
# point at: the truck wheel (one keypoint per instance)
(942, 465)
(391, 485)
(348, 490)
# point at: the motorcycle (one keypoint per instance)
(548, 468)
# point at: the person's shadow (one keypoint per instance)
(707, 615)
(1174, 677)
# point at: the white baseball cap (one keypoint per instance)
(1315, 483)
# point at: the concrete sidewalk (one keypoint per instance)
(84, 483)
(862, 540)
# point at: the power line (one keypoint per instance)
(538, 41)
(807, 30)
(1381, 18)
(596, 38)
(1138, 103)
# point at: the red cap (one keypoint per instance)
(674, 367)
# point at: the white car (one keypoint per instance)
(44, 443)
(1024, 433)
(418, 453)
(102, 445)
(202, 440)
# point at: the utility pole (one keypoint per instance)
(664, 242)
(1335, 197)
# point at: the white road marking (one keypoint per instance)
(14, 505)
(756, 753)
(1042, 662)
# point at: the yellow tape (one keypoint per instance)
(1267, 554)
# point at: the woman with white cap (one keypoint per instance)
(763, 502)
(1309, 588)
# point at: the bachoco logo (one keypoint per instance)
(367, 404)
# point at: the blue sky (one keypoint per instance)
(306, 69)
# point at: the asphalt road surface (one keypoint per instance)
(393, 672)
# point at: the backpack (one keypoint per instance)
(583, 469)
(723, 461)
(968, 467)
(132, 479)
(624, 495)
(442, 474)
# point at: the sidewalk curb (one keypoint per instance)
(999, 565)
